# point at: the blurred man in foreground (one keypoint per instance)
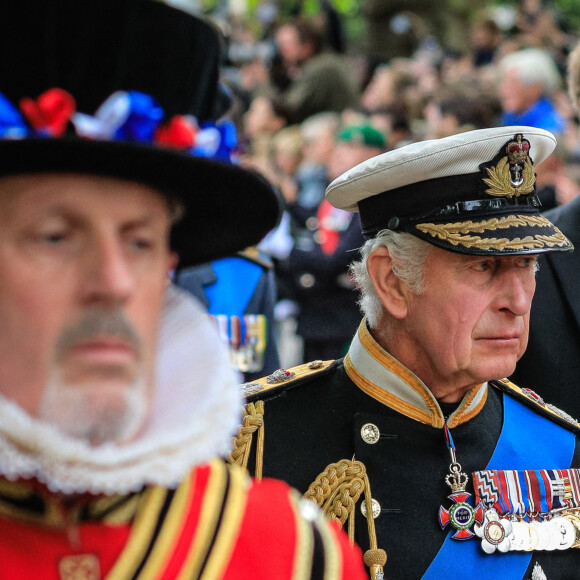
(117, 398)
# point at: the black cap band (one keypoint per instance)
(397, 208)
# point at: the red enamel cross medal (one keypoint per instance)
(461, 515)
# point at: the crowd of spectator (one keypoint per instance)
(308, 106)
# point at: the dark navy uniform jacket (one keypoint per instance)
(551, 363)
(316, 420)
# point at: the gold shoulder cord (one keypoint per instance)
(336, 491)
(254, 413)
(253, 421)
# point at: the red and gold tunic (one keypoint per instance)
(217, 524)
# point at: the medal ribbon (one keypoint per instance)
(558, 488)
(545, 481)
(535, 492)
(527, 497)
(575, 483)
(503, 490)
(529, 491)
(553, 447)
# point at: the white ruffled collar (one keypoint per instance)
(196, 412)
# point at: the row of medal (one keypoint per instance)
(558, 532)
(245, 337)
(528, 510)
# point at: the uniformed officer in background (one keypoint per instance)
(317, 268)
(555, 319)
(240, 293)
(415, 440)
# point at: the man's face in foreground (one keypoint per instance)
(471, 323)
(84, 262)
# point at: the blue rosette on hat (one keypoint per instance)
(129, 89)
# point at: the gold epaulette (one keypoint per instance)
(283, 378)
(254, 255)
(253, 419)
(532, 399)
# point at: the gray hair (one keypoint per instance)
(408, 254)
(533, 65)
(318, 123)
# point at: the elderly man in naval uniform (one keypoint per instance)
(437, 465)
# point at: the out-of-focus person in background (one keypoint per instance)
(528, 82)
(240, 293)
(397, 28)
(261, 122)
(551, 364)
(485, 39)
(320, 81)
(317, 269)
(318, 142)
(459, 110)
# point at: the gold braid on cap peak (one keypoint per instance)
(253, 421)
(461, 233)
(336, 491)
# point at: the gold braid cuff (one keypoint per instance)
(253, 421)
(336, 491)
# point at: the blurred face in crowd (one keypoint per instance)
(318, 148)
(484, 35)
(261, 118)
(470, 325)
(83, 267)
(380, 91)
(287, 161)
(347, 154)
(291, 49)
(515, 96)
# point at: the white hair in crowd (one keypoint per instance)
(532, 66)
(408, 254)
(316, 124)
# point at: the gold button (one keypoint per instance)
(376, 507)
(370, 433)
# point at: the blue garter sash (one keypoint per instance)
(527, 441)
